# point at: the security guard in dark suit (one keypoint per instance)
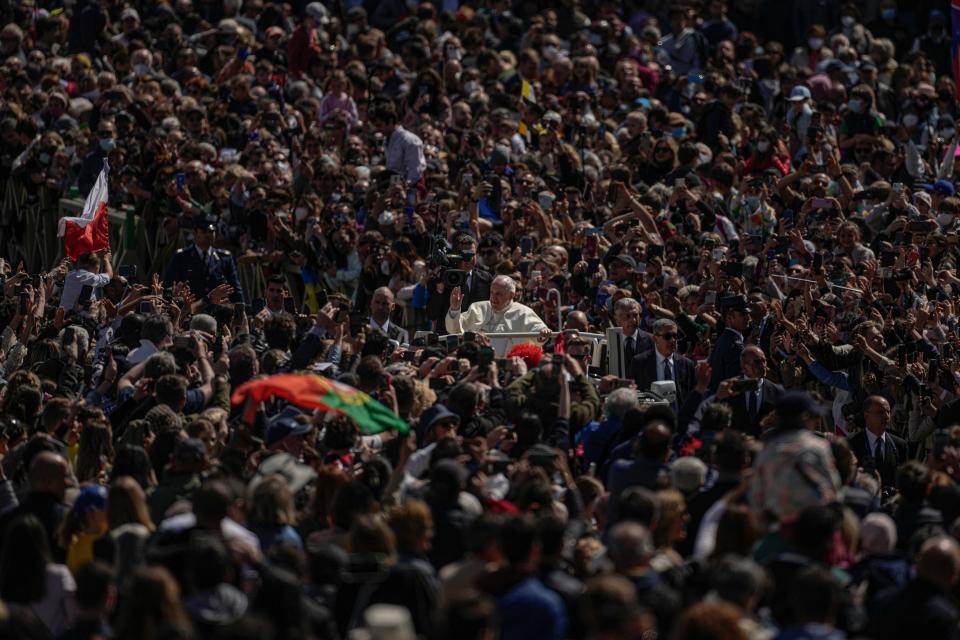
(725, 357)
(201, 265)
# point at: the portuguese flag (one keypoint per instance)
(315, 392)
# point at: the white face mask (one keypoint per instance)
(550, 52)
(763, 146)
(386, 218)
(910, 120)
(141, 69)
(470, 87)
(453, 53)
(299, 213)
(945, 219)
(352, 30)
(815, 43)
(947, 134)
(848, 21)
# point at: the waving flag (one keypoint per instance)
(91, 231)
(955, 49)
(314, 392)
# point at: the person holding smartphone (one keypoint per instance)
(92, 269)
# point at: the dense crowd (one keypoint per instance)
(660, 299)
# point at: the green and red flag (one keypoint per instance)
(310, 391)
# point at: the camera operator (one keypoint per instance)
(476, 280)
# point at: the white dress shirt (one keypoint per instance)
(872, 441)
(673, 368)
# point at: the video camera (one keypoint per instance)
(448, 263)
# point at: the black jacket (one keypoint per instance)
(439, 303)
(894, 454)
(645, 373)
(742, 420)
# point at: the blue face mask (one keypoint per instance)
(752, 201)
(889, 13)
(678, 132)
(44, 158)
(108, 144)
(855, 105)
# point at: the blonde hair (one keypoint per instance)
(271, 503)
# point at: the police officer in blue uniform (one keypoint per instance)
(201, 265)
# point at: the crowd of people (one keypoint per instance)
(664, 295)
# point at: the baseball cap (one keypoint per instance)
(625, 259)
(799, 93)
(795, 403)
(285, 424)
(190, 450)
(228, 26)
(943, 187)
(130, 12)
(436, 413)
(318, 12)
(92, 498)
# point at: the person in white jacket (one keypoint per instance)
(500, 314)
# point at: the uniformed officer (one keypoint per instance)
(201, 265)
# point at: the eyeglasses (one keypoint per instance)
(667, 336)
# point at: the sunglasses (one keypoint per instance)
(667, 336)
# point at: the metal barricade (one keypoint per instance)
(503, 341)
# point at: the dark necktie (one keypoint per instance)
(630, 344)
(752, 404)
(667, 371)
(878, 451)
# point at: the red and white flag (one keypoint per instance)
(91, 231)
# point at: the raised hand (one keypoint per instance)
(456, 298)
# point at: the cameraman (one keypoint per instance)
(538, 392)
(476, 281)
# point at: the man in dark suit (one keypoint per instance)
(750, 406)
(201, 265)
(663, 362)
(475, 289)
(381, 309)
(725, 357)
(875, 447)
(626, 315)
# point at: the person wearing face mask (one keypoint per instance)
(860, 124)
(718, 27)
(947, 214)
(894, 24)
(936, 42)
(752, 209)
(813, 52)
(767, 154)
(857, 35)
(93, 161)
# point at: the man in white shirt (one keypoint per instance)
(381, 307)
(87, 273)
(500, 314)
(403, 152)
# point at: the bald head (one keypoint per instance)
(49, 473)
(630, 546)
(381, 305)
(939, 561)
(576, 320)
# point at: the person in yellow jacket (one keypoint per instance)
(85, 523)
